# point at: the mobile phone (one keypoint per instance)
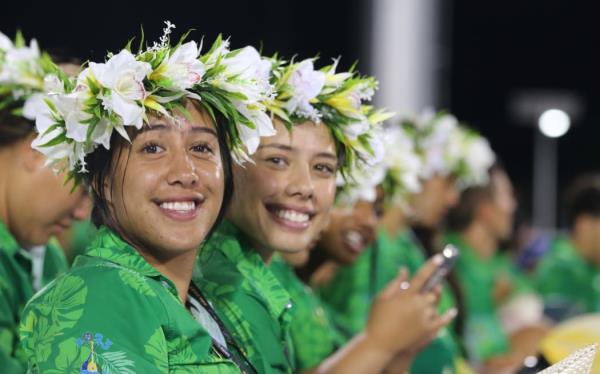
(449, 255)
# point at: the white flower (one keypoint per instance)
(183, 67)
(246, 73)
(21, 66)
(248, 64)
(264, 127)
(478, 158)
(361, 184)
(124, 76)
(102, 133)
(43, 121)
(221, 50)
(5, 43)
(305, 84)
(35, 103)
(356, 129)
(71, 106)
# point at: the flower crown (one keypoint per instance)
(403, 165)
(449, 148)
(108, 97)
(334, 99)
(25, 73)
(397, 172)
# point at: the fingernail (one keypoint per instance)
(437, 260)
(453, 312)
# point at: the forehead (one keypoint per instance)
(308, 137)
(196, 117)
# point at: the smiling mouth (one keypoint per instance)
(180, 210)
(290, 218)
(355, 241)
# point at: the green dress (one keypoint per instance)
(484, 334)
(249, 299)
(113, 312)
(354, 287)
(18, 283)
(567, 281)
(313, 334)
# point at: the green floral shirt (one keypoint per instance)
(313, 334)
(484, 334)
(567, 281)
(351, 292)
(114, 313)
(252, 303)
(16, 288)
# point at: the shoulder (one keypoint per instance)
(99, 307)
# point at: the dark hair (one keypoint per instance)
(583, 197)
(13, 127)
(461, 215)
(101, 163)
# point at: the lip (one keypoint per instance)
(286, 224)
(180, 215)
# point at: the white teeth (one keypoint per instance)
(354, 238)
(182, 206)
(292, 215)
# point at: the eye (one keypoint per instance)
(276, 160)
(203, 148)
(152, 148)
(325, 168)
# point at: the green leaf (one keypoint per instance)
(137, 282)
(156, 348)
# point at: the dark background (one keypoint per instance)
(493, 49)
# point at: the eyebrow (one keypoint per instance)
(285, 147)
(161, 127)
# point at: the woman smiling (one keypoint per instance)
(281, 202)
(150, 134)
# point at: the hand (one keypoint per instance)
(402, 317)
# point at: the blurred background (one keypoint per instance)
(497, 66)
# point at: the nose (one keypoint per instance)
(301, 183)
(182, 170)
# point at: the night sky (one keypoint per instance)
(495, 49)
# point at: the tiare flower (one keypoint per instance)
(123, 77)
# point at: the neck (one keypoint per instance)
(393, 221)
(478, 238)
(178, 269)
(581, 245)
(264, 252)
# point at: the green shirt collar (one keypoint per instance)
(247, 260)
(110, 247)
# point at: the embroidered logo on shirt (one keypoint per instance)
(91, 365)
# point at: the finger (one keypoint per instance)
(426, 271)
(395, 285)
(444, 319)
(437, 292)
(428, 299)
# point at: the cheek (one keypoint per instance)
(254, 184)
(325, 193)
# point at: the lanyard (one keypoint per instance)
(244, 364)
